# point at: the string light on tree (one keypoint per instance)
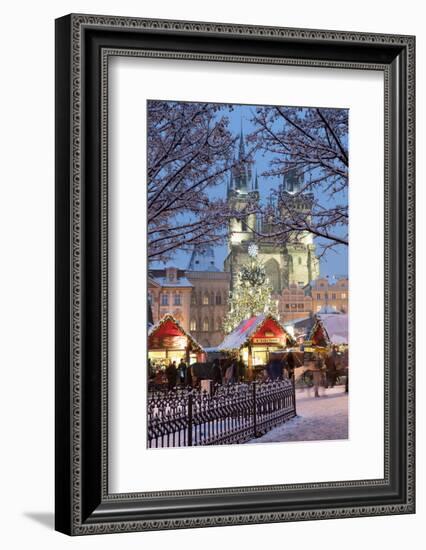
(252, 294)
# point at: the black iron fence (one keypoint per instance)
(232, 413)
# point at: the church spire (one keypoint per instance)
(242, 147)
(256, 183)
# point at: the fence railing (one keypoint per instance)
(232, 413)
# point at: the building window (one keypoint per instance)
(318, 308)
(343, 295)
(326, 295)
(193, 299)
(149, 298)
(206, 325)
(300, 260)
(333, 296)
(206, 300)
(171, 274)
(177, 299)
(193, 325)
(300, 306)
(164, 299)
(218, 323)
(318, 296)
(218, 299)
(287, 306)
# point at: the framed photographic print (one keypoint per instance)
(234, 274)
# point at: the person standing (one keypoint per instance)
(331, 368)
(182, 369)
(171, 373)
(290, 361)
(241, 368)
(216, 372)
(318, 368)
(230, 373)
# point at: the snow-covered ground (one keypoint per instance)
(324, 417)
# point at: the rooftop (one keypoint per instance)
(202, 259)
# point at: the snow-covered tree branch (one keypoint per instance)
(189, 151)
(312, 143)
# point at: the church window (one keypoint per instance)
(206, 299)
(193, 324)
(206, 325)
(164, 299)
(218, 299)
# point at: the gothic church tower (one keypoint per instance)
(293, 262)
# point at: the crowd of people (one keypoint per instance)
(321, 368)
(324, 369)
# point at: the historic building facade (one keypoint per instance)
(197, 296)
(294, 303)
(169, 291)
(209, 297)
(294, 262)
(323, 294)
(330, 293)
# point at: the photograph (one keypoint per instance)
(247, 273)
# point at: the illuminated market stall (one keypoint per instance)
(330, 329)
(168, 341)
(255, 339)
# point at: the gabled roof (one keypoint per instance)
(241, 335)
(334, 327)
(202, 259)
(327, 309)
(177, 330)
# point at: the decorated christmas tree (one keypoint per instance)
(251, 295)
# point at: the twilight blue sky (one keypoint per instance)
(334, 262)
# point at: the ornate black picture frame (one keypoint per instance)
(83, 45)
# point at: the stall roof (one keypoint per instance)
(240, 336)
(170, 326)
(335, 327)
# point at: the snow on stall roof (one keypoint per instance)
(293, 322)
(239, 336)
(336, 327)
(328, 309)
(168, 317)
